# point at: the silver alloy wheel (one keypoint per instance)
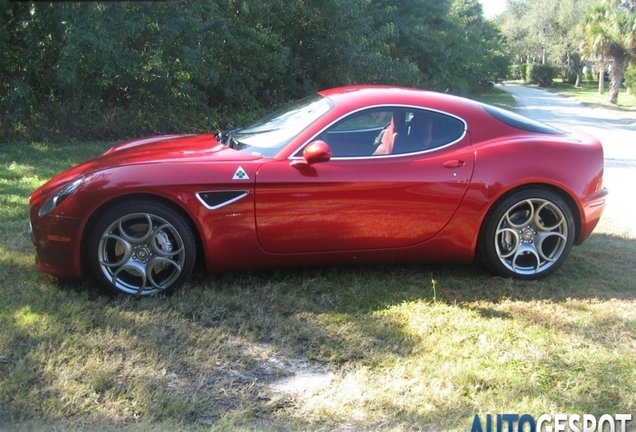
(141, 254)
(531, 236)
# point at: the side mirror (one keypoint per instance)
(316, 152)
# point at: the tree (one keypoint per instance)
(111, 70)
(480, 48)
(516, 25)
(546, 31)
(609, 30)
(565, 47)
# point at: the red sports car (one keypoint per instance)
(350, 175)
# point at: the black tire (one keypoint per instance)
(141, 248)
(527, 235)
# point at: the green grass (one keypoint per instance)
(588, 94)
(496, 97)
(392, 347)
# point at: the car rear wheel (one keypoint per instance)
(142, 248)
(528, 234)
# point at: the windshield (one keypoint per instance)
(270, 134)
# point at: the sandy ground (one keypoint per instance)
(617, 132)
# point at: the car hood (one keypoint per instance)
(165, 149)
(172, 148)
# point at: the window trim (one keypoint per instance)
(300, 148)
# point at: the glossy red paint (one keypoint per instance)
(303, 206)
(372, 203)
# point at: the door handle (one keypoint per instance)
(454, 163)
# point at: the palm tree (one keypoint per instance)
(609, 30)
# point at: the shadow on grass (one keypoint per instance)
(209, 354)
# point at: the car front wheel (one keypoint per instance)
(142, 248)
(528, 234)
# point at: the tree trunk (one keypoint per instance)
(618, 71)
(578, 67)
(544, 56)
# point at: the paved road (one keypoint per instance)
(617, 132)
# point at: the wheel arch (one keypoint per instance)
(483, 248)
(104, 207)
(571, 203)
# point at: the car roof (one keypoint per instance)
(369, 95)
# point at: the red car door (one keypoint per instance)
(360, 203)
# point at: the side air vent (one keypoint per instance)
(216, 199)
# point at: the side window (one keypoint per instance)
(357, 135)
(422, 130)
(391, 130)
(445, 129)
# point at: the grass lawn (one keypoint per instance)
(496, 97)
(395, 347)
(588, 94)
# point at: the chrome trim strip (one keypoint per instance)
(387, 156)
(241, 194)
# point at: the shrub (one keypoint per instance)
(518, 71)
(541, 74)
(630, 77)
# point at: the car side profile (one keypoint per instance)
(360, 174)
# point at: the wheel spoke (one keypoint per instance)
(525, 255)
(131, 269)
(548, 213)
(520, 215)
(507, 242)
(555, 241)
(167, 269)
(114, 247)
(135, 237)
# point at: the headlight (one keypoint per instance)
(58, 197)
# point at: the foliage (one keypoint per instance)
(480, 55)
(545, 31)
(630, 76)
(109, 70)
(609, 30)
(518, 71)
(541, 74)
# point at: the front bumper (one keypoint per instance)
(57, 244)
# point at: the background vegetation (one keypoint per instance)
(110, 70)
(570, 37)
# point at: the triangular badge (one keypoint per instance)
(240, 174)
